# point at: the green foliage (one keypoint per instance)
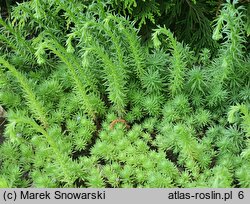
(140, 10)
(89, 104)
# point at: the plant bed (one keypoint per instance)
(89, 104)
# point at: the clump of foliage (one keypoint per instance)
(190, 20)
(90, 105)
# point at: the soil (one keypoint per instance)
(2, 124)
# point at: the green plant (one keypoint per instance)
(89, 104)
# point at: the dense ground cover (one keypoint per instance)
(108, 94)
